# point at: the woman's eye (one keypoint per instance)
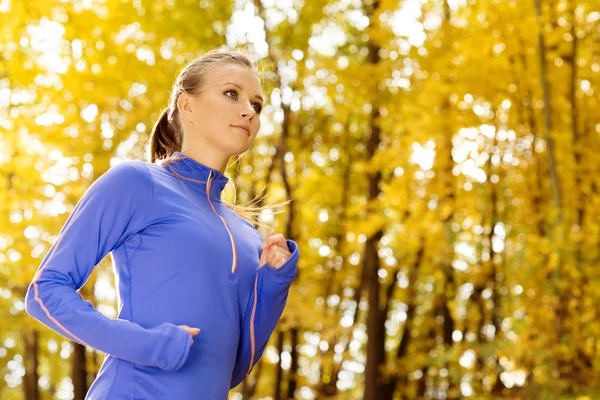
(257, 106)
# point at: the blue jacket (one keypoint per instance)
(181, 257)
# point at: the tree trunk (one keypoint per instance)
(554, 178)
(278, 368)
(375, 319)
(30, 380)
(556, 233)
(583, 371)
(389, 388)
(79, 371)
(375, 325)
(447, 210)
(293, 376)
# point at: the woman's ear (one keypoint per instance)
(185, 104)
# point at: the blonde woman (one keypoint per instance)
(200, 290)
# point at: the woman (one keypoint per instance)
(200, 291)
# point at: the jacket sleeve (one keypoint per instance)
(112, 210)
(266, 304)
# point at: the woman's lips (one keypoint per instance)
(243, 129)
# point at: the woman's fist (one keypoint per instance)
(275, 250)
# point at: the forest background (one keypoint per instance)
(441, 157)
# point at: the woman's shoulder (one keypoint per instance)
(145, 169)
(126, 178)
(128, 172)
(152, 169)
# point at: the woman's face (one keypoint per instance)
(231, 96)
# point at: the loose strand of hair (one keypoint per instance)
(244, 211)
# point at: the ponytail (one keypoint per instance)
(164, 140)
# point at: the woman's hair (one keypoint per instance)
(167, 135)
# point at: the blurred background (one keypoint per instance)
(441, 157)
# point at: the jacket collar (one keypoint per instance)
(189, 168)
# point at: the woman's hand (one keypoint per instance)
(191, 331)
(275, 250)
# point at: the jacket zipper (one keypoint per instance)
(233, 269)
(234, 263)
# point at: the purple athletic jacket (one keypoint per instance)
(181, 257)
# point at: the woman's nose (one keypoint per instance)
(248, 111)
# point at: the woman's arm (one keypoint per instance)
(112, 210)
(265, 306)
